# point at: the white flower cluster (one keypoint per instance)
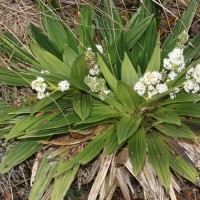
(63, 85)
(97, 85)
(40, 86)
(94, 71)
(174, 64)
(90, 58)
(150, 84)
(192, 83)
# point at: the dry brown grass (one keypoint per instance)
(16, 15)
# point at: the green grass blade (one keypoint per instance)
(159, 157)
(136, 32)
(185, 169)
(62, 183)
(193, 109)
(137, 150)
(44, 175)
(175, 131)
(24, 149)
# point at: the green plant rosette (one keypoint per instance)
(104, 117)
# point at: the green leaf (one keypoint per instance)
(137, 150)
(128, 73)
(87, 154)
(86, 20)
(46, 132)
(172, 130)
(82, 105)
(128, 97)
(135, 33)
(100, 113)
(126, 127)
(185, 169)
(159, 157)
(45, 102)
(28, 122)
(111, 145)
(49, 62)
(110, 79)
(193, 49)
(79, 70)
(183, 24)
(186, 109)
(55, 30)
(43, 41)
(62, 183)
(154, 64)
(44, 176)
(23, 54)
(182, 98)
(20, 152)
(55, 123)
(110, 25)
(144, 48)
(15, 78)
(69, 56)
(166, 115)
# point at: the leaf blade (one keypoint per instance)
(137, 150)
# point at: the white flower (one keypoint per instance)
(150, 84)
(151, 93)
(140, 88)
(176, 90)
(167, 64)
(189, 73)
(176, 56)
(181, 67)
(172, 95)
(161, 88)
(196, 88)
(175, 63)
(152, 78)
(103, 94)
(39, 84)
(94, 71)
(63, 85)
(45, 72)
(151, 87)
(100, 48)
(172, 75)
(41, 95)
(190, 86)
(196, 73)
(95, 84)
(92, 83)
